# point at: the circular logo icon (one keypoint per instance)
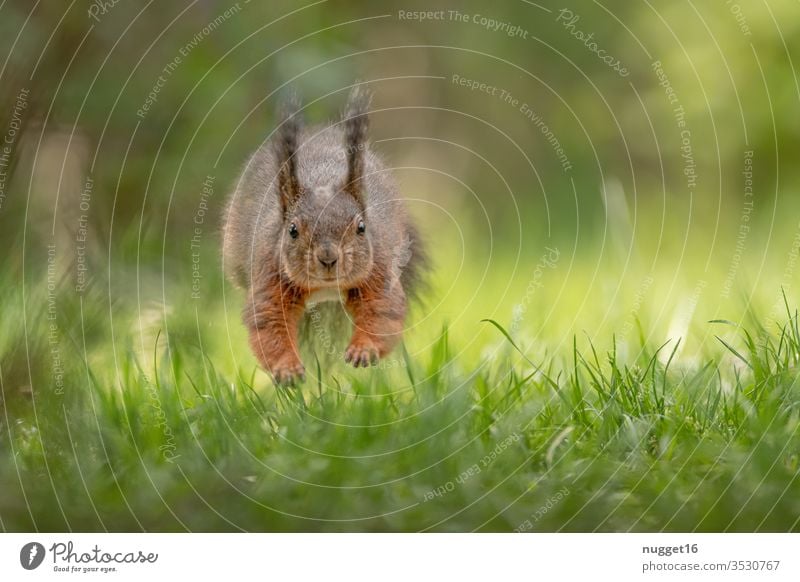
(31, 555)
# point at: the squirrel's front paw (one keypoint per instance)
(288, 372)
(361, 353)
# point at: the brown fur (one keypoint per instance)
(292, 228)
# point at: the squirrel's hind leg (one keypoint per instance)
(272, 317)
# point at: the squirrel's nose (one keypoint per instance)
(327, 257)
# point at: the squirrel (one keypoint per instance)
(316, 215)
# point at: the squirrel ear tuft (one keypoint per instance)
(356, 125)
(289, 126)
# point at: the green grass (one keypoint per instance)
(158, 431)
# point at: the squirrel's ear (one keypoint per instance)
(356, 125)
(289, 125)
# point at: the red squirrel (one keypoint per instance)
(316, 215)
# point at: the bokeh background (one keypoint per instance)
(618, 171)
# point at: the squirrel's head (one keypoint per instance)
(326, 231)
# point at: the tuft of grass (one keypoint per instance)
(580, 441)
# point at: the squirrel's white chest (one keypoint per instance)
(325, 294)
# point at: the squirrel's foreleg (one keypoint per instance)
(272, 316)
(378, 319)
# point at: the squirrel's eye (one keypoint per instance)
(361, 227)
(293, 230)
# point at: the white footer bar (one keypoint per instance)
(406, 557)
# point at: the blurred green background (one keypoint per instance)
(511, 136)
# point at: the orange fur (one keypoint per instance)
(276, 306)
(272, 315)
